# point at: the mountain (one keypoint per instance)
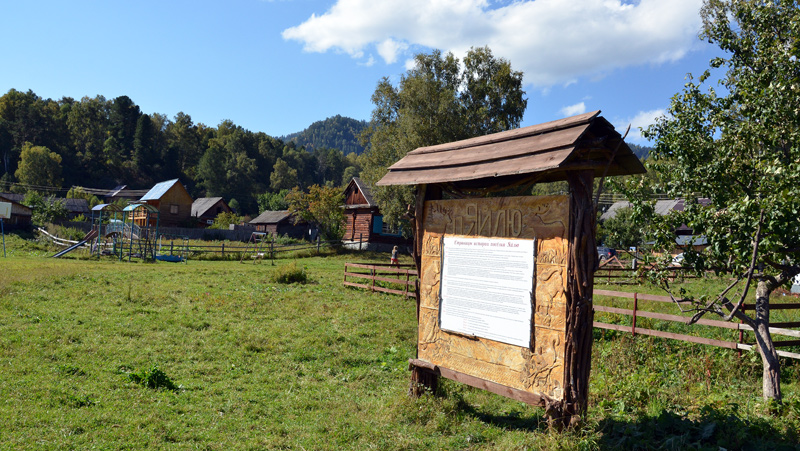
(641, 152)
(337, 132)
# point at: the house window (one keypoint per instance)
(386, 229)
(173, 209)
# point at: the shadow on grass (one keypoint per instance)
(713, 430)
(513, 421)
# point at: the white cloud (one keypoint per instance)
(389, 49)
(552, 41)
(572, 110)
(642, 120)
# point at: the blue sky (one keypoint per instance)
(277, 66)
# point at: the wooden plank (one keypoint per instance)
(642, 297)
(512, 166)
(673, 336)
(791, 355)
(490, 151)
(357, 285)
(782, 343)
(382, 279)
(777, 306)
(668, 317)
(378, 288)
(787, 324)
(386, 267)
(775, 330)
(483, 384)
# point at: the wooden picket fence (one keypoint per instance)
(779, 328)
(364, 275)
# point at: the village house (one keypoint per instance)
(279, 223)
(364, 226)
(173, 202)
(205, 209)
(684, 237)
(20, 215)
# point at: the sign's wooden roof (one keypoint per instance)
(543, 152)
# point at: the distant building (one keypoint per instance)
(205, 209)
(684, 237)
(20, 215)
(280, 223)
(173, 202)
(74, 207)
(364, 222)
(121, 192)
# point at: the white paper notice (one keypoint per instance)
(487, 284)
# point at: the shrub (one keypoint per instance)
(153, 378)
(289, 274)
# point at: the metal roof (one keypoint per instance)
(271, 217)
(148, 207)
(201, 205)
(541, 152)
(159, 189)
(106, 207)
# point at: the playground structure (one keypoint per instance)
(132, 230)
(179, 254)
(258, 246)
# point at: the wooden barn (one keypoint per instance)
(173, 202)
(364, 222)
(20, 215)
(279, 223)
(205, 209)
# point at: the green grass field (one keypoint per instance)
(256, 364)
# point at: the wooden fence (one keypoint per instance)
(366, 274)
(622, 272)
(779, 328)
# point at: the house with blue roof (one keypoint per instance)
(174, 203)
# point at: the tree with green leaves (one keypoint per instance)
(39, 166)
(45, 209)
(739, 146)
(439, 100)
(273, 201)
(225, 219)
(283, 176)
(321, 206)
(76, 192)
(622, 231)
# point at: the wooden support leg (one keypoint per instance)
(422, 380)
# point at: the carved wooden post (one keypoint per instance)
(422, 379)
(581, 266)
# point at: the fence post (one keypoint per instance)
(360, 240)
(372, 288)
(635, 307)
(223, 249)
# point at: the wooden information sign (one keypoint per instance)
(477, 323)
(537, 366)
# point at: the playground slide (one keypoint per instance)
(89, 236)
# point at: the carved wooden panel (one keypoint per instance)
(538, 368)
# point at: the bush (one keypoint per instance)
(153, 378)
(290, 274)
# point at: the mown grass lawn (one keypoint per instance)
(264, 365)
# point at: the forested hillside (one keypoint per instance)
(100, 143)
(640, 151)
(337, 132)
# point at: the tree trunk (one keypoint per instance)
(769, 356)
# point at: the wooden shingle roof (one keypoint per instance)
(543, 152)
(271, 217)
